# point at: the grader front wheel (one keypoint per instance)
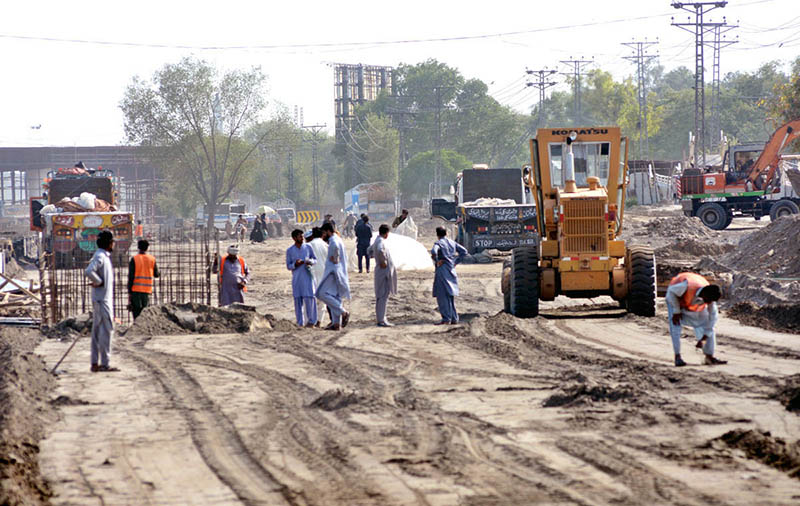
(524, 286)
(641, 275)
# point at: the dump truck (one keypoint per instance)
(70, 229)
(492, 208)
(749, 183)
(578, 178)
(377, 200)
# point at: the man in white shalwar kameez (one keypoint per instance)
(385, 275)
(335, 284)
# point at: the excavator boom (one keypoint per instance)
(770, 158)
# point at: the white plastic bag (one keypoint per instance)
(87, 201)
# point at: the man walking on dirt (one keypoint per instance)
(446, 254)
(385, 275)
(335, 285)
(100, 272)
(320, 248)
(299, 259)
(363, 238)
(141, 271)
(692, 302)
(234, 274)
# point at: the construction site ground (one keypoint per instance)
(579, 406)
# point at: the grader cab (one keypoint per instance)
(577, 178)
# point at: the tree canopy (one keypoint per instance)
(197, 118)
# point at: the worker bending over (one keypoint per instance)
(692, 302)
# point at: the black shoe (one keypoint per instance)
(679, 362)
(710, 360)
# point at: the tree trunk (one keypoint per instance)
(212, 211)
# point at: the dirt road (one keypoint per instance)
(580, 406)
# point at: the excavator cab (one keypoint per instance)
(578, 178)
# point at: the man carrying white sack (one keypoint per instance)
(385, 275)
(692, 302)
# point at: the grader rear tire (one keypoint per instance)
(641, 298)
(524, 289)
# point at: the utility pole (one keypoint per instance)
(716, 105)
(699, 28)
(641, 58)
(437, 174)
(541, 84)
(577, 70)
(315, 131)
(290, 191)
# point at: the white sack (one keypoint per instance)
(407, 254)
(408, 228)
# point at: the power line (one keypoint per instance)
(699, 28)
(718, 44)
(541, 84)
(642, 59)
(577, 69)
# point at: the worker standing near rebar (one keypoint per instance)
(141, 271)
(692, 302)
(100, 272)
(234, 274)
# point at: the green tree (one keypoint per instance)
(419, 172)
(197, 118)
(376, 144)
(785, 105)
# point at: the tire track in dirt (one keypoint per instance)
(214, 434)
(310, 436)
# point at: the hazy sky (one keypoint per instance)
(73, 89)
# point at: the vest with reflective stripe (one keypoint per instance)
(695, 283)
(222, 268)
(143, 275)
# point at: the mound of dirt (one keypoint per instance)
(678, 227)
(582, 394)
(170, 319)
(770, 251)
(761, 446)
(24, 414)
(763, 291)
(336, 399)
(789, 393)
(778, 317)
(691, 248)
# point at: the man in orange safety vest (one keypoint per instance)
(692, 302)
(141, 271)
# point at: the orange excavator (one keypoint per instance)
(749, 183)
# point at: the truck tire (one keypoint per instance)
(524, 289)
(713, 215)
(782, 208)
(641, 299)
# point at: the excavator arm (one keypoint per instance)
(768, 160)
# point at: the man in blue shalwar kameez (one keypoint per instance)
(299, 258)
(335, 285)
(446, 254)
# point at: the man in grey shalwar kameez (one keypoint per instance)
(385, 275)
(100, 272)
(234, 274)
(335, 285)
(446, 254)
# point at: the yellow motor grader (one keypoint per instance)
(577, 178)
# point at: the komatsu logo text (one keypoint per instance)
(585, 131)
